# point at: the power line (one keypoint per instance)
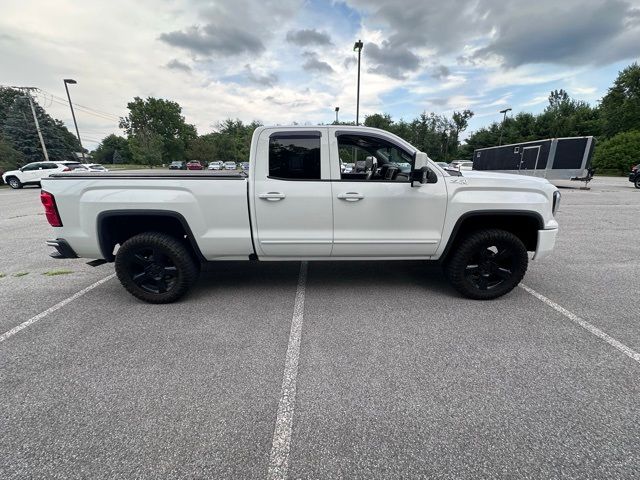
(77, 105)
(88, 112)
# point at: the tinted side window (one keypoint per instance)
(294, 156)
(30, 167)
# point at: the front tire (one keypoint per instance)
(487, 264)
(155, 267)
(14, 183)
(637, 182)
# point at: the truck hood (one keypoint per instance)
(507, 177)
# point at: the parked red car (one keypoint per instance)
(194, 165)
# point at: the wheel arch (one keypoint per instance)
(522, 223)
(114, 227)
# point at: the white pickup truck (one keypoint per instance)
(297, 204)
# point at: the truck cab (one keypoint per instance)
(306, 206)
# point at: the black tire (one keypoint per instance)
(155, 267)
(637, 182)
(487, 264)
(14, 183)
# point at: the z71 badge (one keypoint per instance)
(463, 181)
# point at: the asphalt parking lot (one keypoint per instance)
(386, 373)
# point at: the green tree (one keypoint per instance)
(111, 144)
(10, 158)
(162, 118)
(620, 107)
(118, 158)
(146, 148)
(379, 120)
(619, 152)
(19, 128)
(203, 148)
(233, 140)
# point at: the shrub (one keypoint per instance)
(619, 152)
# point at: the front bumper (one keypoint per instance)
(63, 249)
(546, 242)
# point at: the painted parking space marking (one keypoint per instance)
(584, 324)
(57, 306)
(281, 444)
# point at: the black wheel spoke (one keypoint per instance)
(503, 273)
(140, 277)
(483, 283)
(141, 259)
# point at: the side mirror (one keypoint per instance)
(423, 175)
(22, 169)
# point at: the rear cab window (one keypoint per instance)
(295, 156)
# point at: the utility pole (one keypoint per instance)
(358, 46)
(504, 118)
(27, 92)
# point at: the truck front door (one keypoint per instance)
(292, 193)
(377, 213)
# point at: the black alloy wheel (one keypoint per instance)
(487, 264)
(156, 267)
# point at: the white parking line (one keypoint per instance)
(586, 325)
(57, 306)
(281, 445)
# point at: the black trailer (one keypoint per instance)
(553, 158)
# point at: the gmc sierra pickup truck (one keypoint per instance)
(298, 204)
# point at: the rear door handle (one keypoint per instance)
(272, 196)
(350, 196)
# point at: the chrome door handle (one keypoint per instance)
(272, 196)
(350, 196)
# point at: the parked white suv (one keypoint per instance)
(217, 165)
(230, 165)
(32, 173)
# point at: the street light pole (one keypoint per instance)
(358, 46)
(502, 125)
(337, 110)
(73, 82)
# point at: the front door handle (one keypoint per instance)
(272, 196)
(350, 196)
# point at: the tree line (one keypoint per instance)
(19, 142)
(157, 133)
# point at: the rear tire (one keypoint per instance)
(487, 264)
(155, 267)
(14, 183)
(637, 182)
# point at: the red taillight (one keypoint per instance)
(66, 169)
(50, 209)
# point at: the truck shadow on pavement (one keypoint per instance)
(240, 276)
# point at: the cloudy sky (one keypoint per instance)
(293, 60)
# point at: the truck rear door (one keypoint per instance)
(292, 193)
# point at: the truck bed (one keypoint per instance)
(212, 206)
